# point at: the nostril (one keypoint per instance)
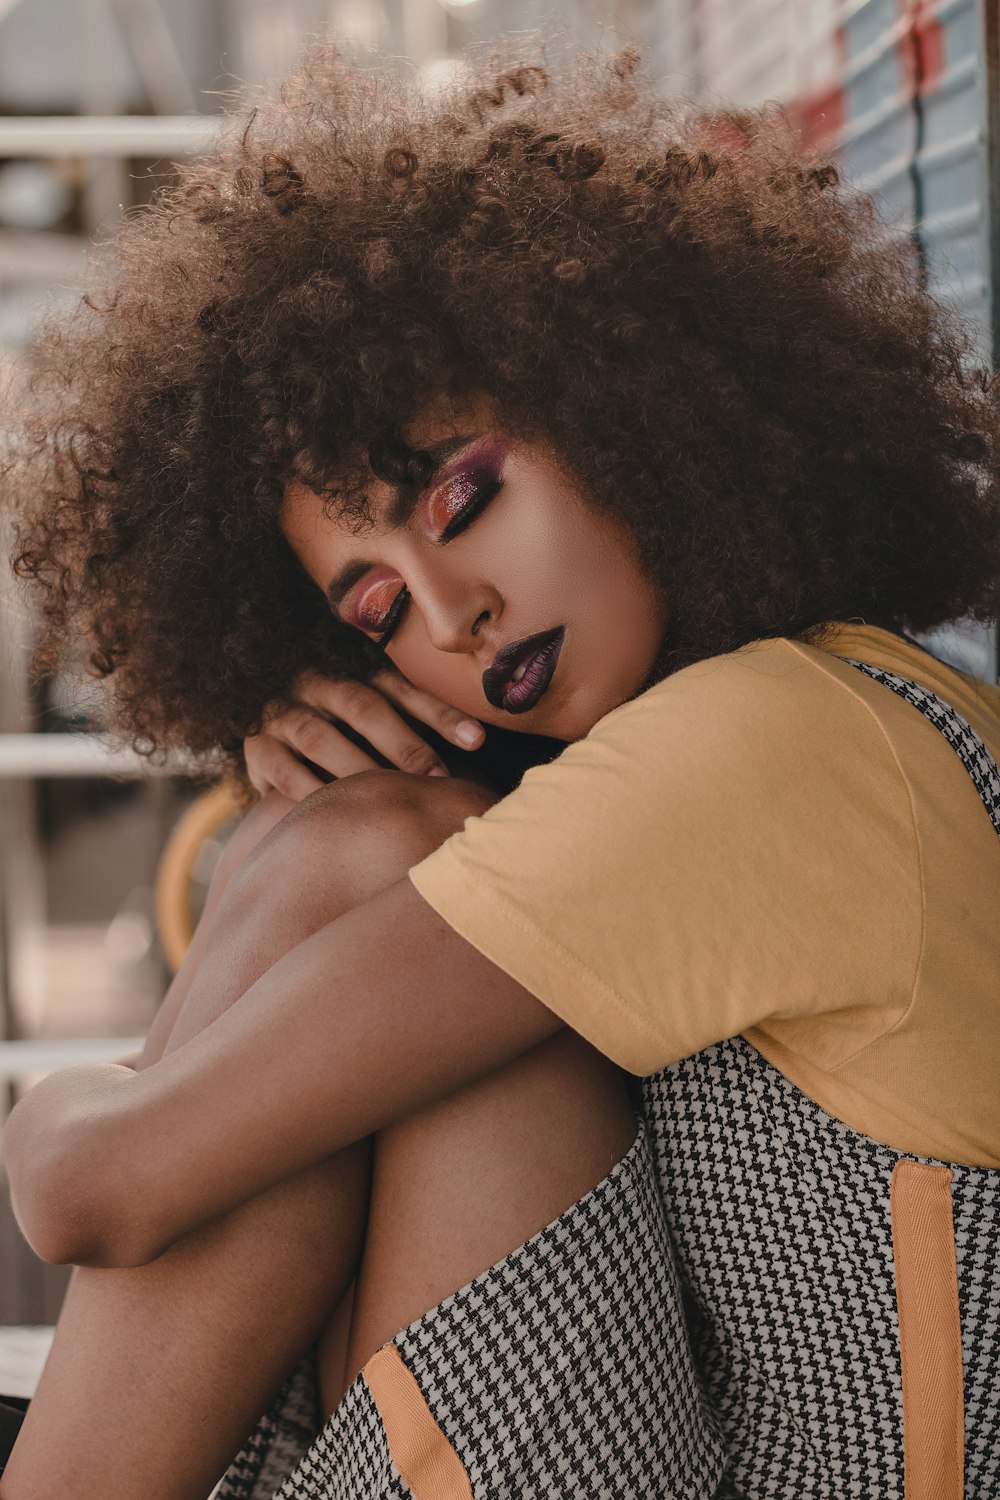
(479, 621)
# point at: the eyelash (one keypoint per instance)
(393, 617)
(480, 498)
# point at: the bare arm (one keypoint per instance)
(381, 1012)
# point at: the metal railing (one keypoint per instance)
(30, 756)
(116, 136)
(27, 757)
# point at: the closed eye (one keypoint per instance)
(452, 507)
(378, 606)
(445, 510)
(393, 617)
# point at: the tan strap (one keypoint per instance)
(423, 1455)
(930, 1332)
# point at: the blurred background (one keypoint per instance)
(103, 862)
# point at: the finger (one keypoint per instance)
(451, 723)
(310, 734)
(367, 712)
(272, 766)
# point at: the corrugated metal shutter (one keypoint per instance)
(906, 92)
(915, 134)
(899, 87)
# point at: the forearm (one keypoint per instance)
(381, 1012)
(343, 1035)
(63, 1147)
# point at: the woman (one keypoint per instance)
(624, 428)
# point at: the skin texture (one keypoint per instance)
(535, 558)
(460, 1179)
(158, 1371)
(100, 1158)
(750, 385)
(306, 731)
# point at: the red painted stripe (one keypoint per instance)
(921, 47)
(819, 116)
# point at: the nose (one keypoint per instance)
(459, 619)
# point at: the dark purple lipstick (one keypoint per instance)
(533, 660)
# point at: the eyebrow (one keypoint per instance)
(398, 511)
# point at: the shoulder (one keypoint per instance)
(772, 702)
(690, 868)
(770, 746)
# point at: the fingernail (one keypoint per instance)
(468, 732)
(439, 771)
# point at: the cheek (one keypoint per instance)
(441, 673)
(592, 567)
(615, 601)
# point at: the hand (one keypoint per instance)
(303, 728)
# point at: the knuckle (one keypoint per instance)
(312, 735)
(297, 721)
(256, 758)
(417, 757)
(275, 710)
(354, 700)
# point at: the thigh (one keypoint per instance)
(459, 1186)
(337, 849)
(563, 1367)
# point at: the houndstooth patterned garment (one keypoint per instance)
(960, 734)
(566, 1370)
(780, 1216)
(563, 1371)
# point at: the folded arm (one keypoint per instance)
(379, 1013)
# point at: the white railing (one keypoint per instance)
(18, 1059)
(108, 135)
(27, 757)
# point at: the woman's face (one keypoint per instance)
(495, 588)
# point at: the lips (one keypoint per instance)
(538, 655)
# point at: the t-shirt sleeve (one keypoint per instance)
(735, 845)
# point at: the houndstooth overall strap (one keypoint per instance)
(960, 735)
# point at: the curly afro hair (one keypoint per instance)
(728, 349)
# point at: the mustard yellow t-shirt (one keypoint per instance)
(767, 844)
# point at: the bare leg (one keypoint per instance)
(255, 826)
(462, 1184)
(158, 1373)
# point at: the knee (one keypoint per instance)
(415, 813)
(358, 835)
(255, 826)
(381, 815)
